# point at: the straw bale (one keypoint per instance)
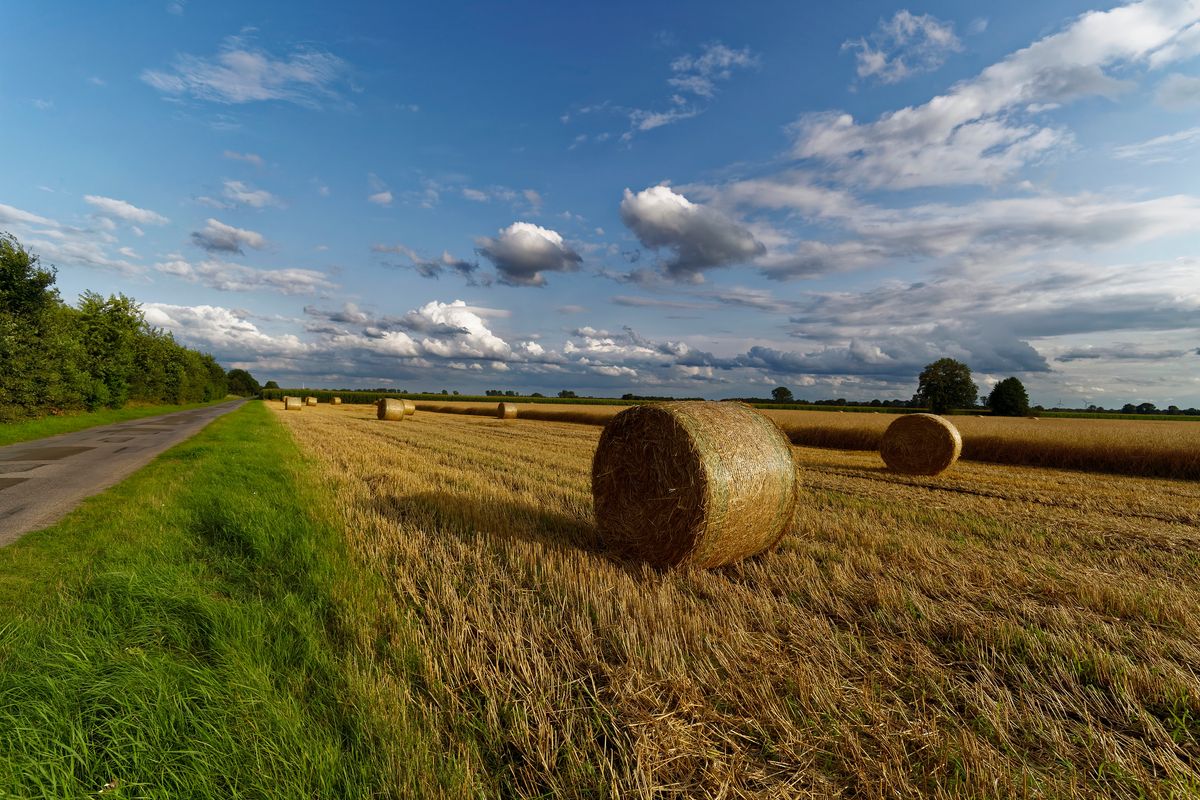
(693, 483)
(920, 444)
(389, 408)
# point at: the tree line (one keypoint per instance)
(99, 353)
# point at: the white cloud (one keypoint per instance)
(975, 133)
(907, 44)
(701, 237)
(1161, 149)
(120, 209)
(523, 251)
(219, 237)
(383, 198)
(699, 73)
(249, 158)
(228, 277)
(246, 195)
(469, 336)
(220, 329)
(242, 73)
(1179, 93)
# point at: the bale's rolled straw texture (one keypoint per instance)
(390, 409)
(695, 483)
(337, 401)
(920, 444)
(410, 408)
(292, 404)
(506, 411)
(310, 401)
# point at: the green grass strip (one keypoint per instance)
(25, 430)
(182, 635)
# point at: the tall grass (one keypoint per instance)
(196, 632)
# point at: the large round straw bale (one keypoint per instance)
(506, 411)
(696, 483)
(389, 408)
(292, 404)
(310, 401)
(410, 408)
(336, 401)
(920, 444)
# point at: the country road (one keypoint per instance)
(42, 480)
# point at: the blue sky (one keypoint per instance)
(695, 199)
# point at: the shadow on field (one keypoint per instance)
(468, 516)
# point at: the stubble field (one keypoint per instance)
(994, 632)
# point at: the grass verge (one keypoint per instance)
(25, 430)
(198, 631)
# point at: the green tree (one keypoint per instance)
(1009, 398)
(946, 384)
(782, 394)
(242, 383)
(567, 393)
(110, 327)
(270, 385)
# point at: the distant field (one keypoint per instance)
(1129, 447)
(993, 632)
(366, 397)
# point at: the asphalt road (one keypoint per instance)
(41, 481)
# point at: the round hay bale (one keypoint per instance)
(696, 483)
(389, 408)
(310, 401)
(506, 411)
(410, 408)
(920, 444)
(337, 401)
(292, 404)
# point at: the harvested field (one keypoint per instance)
(1162, 449)
(991, 632)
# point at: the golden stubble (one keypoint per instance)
(994, 631)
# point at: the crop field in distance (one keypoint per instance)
(995, 631)
(1134, 447)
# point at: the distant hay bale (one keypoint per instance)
(410, 408)
(696, 483)
(390, 409)
(292, 404)
(310, 401)
(920, 444)
(337, 401)
(506, 411)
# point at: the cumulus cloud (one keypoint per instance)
(246, 195)
(221, 330)
(227, 277)
(216, 236)
(523, 251)
(700, 237)
(242, 73)
(981, 131)
(383, 198)
(907, 44)
(119, 209)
